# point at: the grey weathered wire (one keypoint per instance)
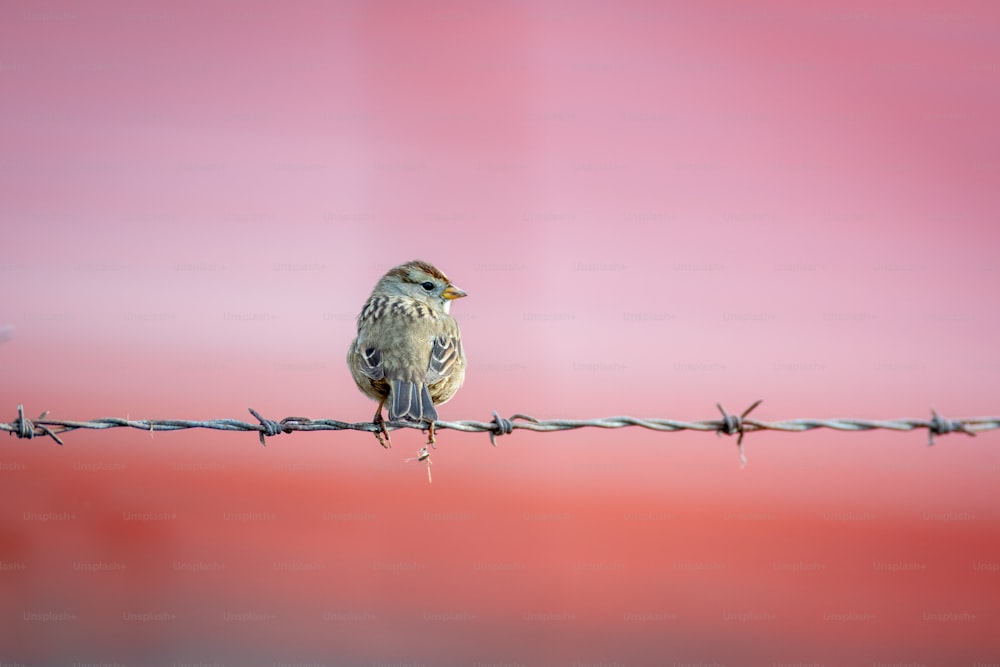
(740, 425)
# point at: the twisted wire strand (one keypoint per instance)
(729, 424)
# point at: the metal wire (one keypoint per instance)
(729, 424)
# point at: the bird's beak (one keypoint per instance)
(452, 292)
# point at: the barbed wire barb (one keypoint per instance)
(941, 426)
(733, 425)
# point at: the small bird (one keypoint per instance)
(408, 352)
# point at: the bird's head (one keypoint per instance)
(423, 282)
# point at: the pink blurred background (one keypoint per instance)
(653, 207)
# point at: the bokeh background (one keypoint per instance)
(653, 206)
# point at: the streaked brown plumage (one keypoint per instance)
(408, 352)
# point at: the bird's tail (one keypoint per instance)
(410, 401)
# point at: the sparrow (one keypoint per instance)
(408, 351)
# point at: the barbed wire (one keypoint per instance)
(729, 424)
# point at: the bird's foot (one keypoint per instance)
(430, 435)
(382, 434)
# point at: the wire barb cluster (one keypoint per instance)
(739, 425)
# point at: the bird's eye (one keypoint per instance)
(428, 285)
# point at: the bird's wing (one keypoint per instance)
(370, 362)
(445, 350)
